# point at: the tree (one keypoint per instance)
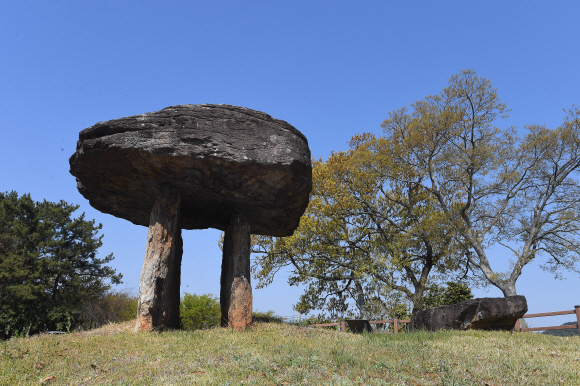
(326, 232)
(48, 265)
(361, 238)
(494, 187)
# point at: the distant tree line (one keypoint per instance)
(565, 332)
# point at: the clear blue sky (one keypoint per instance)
(330, 68)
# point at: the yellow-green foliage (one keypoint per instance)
(268, 316)
(361, 233)
(199, 311)
(439, 296)
(280, 354)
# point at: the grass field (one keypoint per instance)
(280, 354)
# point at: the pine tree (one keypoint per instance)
(48, 265)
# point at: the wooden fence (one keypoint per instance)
(395, 322)
(342, 324)
(576, 311)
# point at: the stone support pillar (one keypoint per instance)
(236, 289)
(161, 275)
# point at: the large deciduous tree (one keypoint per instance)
(495, 187)
(362, 237)
(48, 265)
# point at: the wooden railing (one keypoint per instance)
(576, 311)
(342, 324)
(395, 322)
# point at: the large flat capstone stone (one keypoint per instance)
(220, 158)
(478, 314)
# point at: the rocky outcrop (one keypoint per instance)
(220, 158)
(195, 167)
(478, 314)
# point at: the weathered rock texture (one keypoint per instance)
(236, 289)
(161, 274)
(196, 167)
(359, 325)
(478, 314)
(220, 158)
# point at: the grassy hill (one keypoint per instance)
(280, 354)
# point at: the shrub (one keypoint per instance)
(198, 312)
(114, 306)
(439, 296)
(266, 317)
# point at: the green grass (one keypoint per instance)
(279, 354)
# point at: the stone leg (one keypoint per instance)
(161, 275)
(236, 289)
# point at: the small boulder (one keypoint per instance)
(477, 314)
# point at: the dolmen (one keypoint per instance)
(477, 314)
(196, 167)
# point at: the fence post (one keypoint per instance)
(343, 326)
(577, 308)
(395, 325)
(517, 326)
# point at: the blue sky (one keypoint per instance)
(330, 68)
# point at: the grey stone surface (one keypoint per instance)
(478, 314)
(160, 280)
(236, 290)
(219, 158)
